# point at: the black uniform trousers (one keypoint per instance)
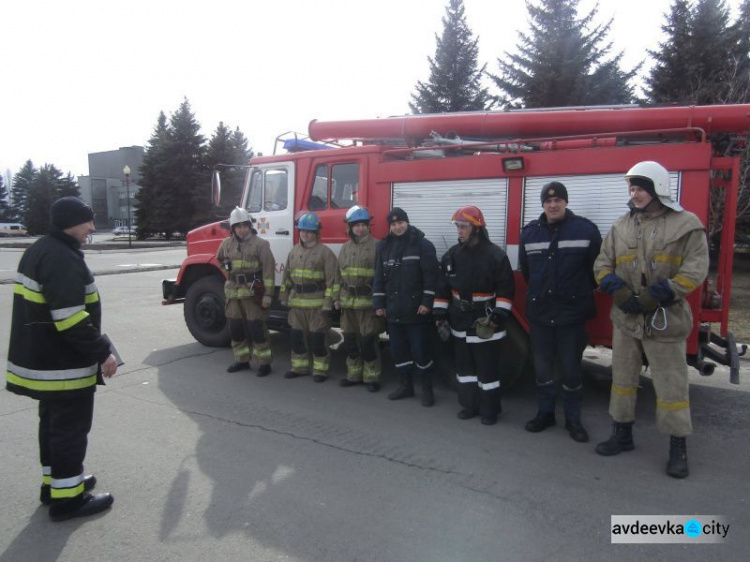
(561, 347)
(478, 374)
(64, 427)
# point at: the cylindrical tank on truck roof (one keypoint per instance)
(542, 123)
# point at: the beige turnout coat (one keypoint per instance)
(644, 248)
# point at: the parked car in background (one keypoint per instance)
(124, 230)
(12, 229)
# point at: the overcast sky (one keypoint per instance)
(83, 76)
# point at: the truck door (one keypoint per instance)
(270, 200)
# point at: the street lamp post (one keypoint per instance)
(126, 171)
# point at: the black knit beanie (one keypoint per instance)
(69, 211)
(554, 189)
(397, 214)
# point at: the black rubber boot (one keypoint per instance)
(541, 421)
(264, 371)
(677, 467)
(404, 390)
(238, 366)
(428, 396)
(620, 440)
(577, 431)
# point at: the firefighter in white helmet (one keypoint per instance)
(359, 323)
(651, 260)
(250, 268)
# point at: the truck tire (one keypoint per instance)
(204, 312)
(516, 359)
(516, 362)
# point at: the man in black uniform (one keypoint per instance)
(557, 257)
(403, 293)
(476, 291)
(57, 355)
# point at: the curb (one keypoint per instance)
(113, 271)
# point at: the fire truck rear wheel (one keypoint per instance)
(204, 312)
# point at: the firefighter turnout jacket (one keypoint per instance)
(56, 346)
(557, 262)
(355, 273)
(645, 249)
(251, 267)
(477, 282)
(309, 278)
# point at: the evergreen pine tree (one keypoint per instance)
(741, 55)
(149, 216)
(563, 61)
(231, 149)
(68, 186)
(42, 193)
(704, 59)
(189, 180)
(6, 213)
(21, 187)
(455, 82)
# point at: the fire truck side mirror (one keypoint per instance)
(216, 188)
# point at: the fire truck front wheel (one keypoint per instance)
(204, 312)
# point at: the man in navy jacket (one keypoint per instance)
(557, 256)
(406, 270)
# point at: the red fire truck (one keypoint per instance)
(430, 165)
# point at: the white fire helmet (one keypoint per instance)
(659, 175)
(239, 216)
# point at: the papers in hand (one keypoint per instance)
(113, 349)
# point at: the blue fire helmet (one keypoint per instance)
(309, 221)
(357, 214)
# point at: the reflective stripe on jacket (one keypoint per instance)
(55, 344)
(356, 269)
(306, 266)
(406, 270)
(251, 257)
(557, 262)
(644, 248)
(476, 281)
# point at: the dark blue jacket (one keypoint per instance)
(557, 262)
(406, 269)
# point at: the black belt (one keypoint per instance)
(244, 278)
(361, 291)
(308, 287)
(469, 306)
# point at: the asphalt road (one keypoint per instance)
(206, 465)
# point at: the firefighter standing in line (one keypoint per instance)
(652, 258)
(250, 267)
(557, 256)
(403, 293)
(308, 288)
(57, 355)
(359, 323)
(476, 291)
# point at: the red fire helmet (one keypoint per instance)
(470, 214)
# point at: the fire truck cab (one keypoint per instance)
(430, 165)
